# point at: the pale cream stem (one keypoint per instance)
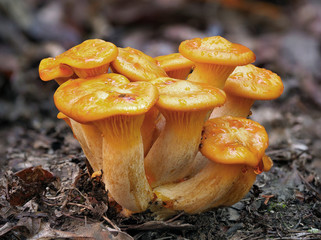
(171, 157)
(123, 161)
(200, 192)
(94, 140)
(234, 106)
(212, 74)
(179, 73)
(79, 135)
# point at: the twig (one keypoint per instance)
(309, 185)
(111, 223)
(174, 218)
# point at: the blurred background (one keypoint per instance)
(284, 34)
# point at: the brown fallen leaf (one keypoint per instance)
(89, 231)
(26, 184)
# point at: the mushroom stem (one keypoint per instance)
(149, 130)
(202, 191)
(213, 74)
(91, 72)
(171, 157)
(179, 73)
(239, 189)
(90, 140)
(123, 161)
(234, 106)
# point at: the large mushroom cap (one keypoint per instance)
(216, 50)
(86, 100)
(50, 68)
(253, 82)
(89, 54)
(180, 95)
(136, 65)
(232, 140)
(173, 61)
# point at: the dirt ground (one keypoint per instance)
(56, 199)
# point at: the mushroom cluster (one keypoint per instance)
(172, 129)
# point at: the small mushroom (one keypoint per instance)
(88, 135)
(245, 85)
(234, 147)
(90, 58)
(185, 106)
(50, 68)
(215, 58)
(118, 111)
(175, 65)
(136, 65)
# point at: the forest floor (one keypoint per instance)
(57, 198)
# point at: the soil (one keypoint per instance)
(46, 191)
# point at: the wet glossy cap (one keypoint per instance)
(232, 140)
(173, 61)
(89, 54)
(50, 69)
(216, 50)
(181, 95)
(96, 98)
(136, 65)
(255, 83)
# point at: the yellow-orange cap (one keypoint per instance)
(136, 65)
(173, 61)
(233, 140)
(253, 82)
(50, 68)
(86, 100)
(91, 53)
(181, 95)
(216, 50)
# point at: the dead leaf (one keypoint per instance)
(26, 184)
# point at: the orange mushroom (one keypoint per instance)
(175, 65)
(117, 110)
(245, 85)
(234, 147)
(136, 65)
(50, 68)
(215, 58)
(88, 59)
(185, 106)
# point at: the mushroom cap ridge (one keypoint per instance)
(181, 95)
(255, 83)
(173, 61)
(216, 50)
(89, 54)
(91, 99)
(136, 65)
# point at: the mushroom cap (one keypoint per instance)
(173, 61)
(253, 82)
(136, 65)
(60, 115)
(51, 68)
(233, 140)
(89, 54)
(216, 50)
(96, 98)
(181, 95)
